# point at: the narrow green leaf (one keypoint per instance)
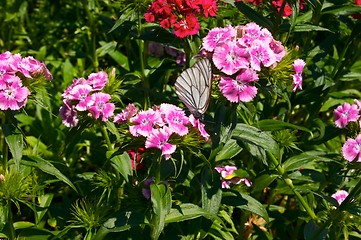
(302, 160)
(187, 211)
(274, 125)
(110, 49)
(309, 28)
(14, 140)
(344, 10)
(161, 199)
(47, 167)
(245, 202)
(44, 202)
(122, 163)
(23, 224)
(34, 234)
(254, 16)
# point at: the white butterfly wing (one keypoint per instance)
(193, 87)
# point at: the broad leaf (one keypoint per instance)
(161, 199)
(14, 140)
(211, 191)
(122, 163)
(187, 211)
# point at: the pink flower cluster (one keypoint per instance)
(85, 95)
(228, 177)
(239, 53)
(13, 70)
(180, 14)
(340, 196)
(159, 124)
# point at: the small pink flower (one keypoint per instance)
(196, 123)
(81, 93)
(100, 106)
(261, 54)
(226, 184)
(346, 113)
(126, 114)
(218, 36)
(158, 138)
(13, 95)
(144, 122)
(237, 90)
(98, 80)
(69, 115)
(352, 149)
(340, 196)
(226, 171)
(175, 118)
(298, 65)
(230, 58)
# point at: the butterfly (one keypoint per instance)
(194, 86)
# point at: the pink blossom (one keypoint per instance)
(352, 149)
(99, 106)
(69, 115)
(346, 113)
(126, 114)
(297, 82)
(340, 196)
(218, 36)
(13, 95)
(230, 58)
(158, 138)
(261, 54)
(237, 90)
(298, 65)
(144, 122)
(175, 118)
(226, 171)
(81, 93)
(98, 80)
(196, 123)
(229, 178)
(226, 184)
(278, 49)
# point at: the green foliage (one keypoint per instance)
(79, 183)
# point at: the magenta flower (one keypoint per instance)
(237, 90)
(261, 54)
(298, 66)
(81, 93)
(218, 36)
(340, 196)
(196, 123)
(98, 80)
(175, 118)
(346, 113)
(158, 138)
(144, 122)
(99, 106)
(69, 115)
(226, 184)
(126, 114)
(230, 58)
(278, 49)
(226, 171)
(352, 149)
(13, 95)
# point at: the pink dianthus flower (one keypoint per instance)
(158, 138)
(340, 196)
(352, 149)
(346, 113)
(99, 106)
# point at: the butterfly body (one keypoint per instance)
(193, 87)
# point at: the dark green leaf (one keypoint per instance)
(187, 211)
(122, 163)
(254, 16)
(14, 140)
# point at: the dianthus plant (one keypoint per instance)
(240, 53)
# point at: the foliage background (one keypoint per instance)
(76, 38)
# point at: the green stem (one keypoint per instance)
(106, 137)
(289, 183)
(144, 79)
(10, 221)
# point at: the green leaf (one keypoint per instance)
(263, 181)
(23, 224)
(245, 202)
(187, 211)
(122, 163)
(34, 234)
(47, 167)
(68, 71)
(254, 136)
(161, 199)
(229, 150)
(14, 140)
(309, 28)
(302, 160)
(211, 191)
(274, 125)
(344, 10)
(110, 49)
(44, 202)
(254, 16)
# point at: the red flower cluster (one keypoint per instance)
(287, 10)
(358, 15)
(180, 14)
(136, 158)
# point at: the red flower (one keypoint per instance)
(136, 158)
(187, 26)
(357, 16)
(209, 8)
